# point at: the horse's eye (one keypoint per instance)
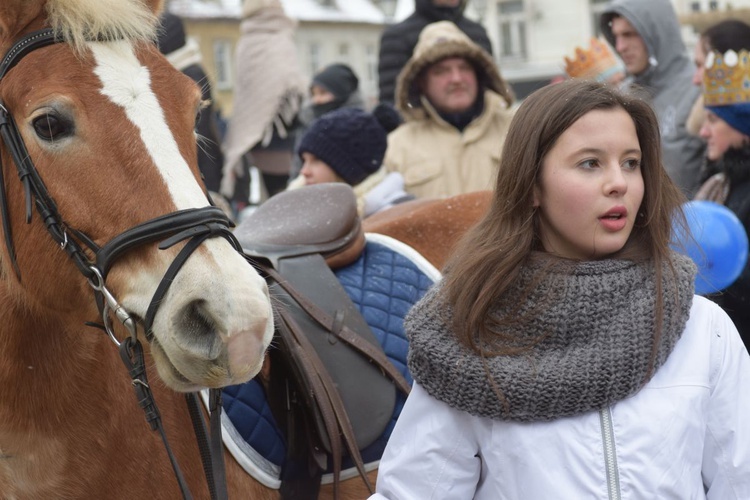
(197, 118)
(51, 127)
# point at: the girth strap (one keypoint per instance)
(326, 395)
(343, 332)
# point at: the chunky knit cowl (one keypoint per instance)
(594, 324)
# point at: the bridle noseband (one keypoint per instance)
(193, 225)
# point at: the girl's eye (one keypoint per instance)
(632, 164)
(589, 163)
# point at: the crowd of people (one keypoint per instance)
(564, 353)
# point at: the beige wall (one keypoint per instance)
(207, 32)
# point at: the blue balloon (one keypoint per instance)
(717, 244)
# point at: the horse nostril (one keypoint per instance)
(196, 330)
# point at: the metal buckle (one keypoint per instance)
(111, 305)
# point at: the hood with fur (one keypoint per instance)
(438, 41)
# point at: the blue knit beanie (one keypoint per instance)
(736, 115)
(349, 140)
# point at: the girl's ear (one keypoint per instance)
(537, 197)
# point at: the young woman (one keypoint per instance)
(726, 130)
(564, 354)
(730, 34)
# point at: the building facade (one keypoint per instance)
(328, 31)
(530, 38)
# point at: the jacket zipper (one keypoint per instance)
(610, 454)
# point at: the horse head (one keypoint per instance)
(108, 125)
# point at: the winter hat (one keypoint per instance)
(349, 140)
(338, 79)
(438, 41)
(171, 34)
(725, 89)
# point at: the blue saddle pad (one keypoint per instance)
(387, 279)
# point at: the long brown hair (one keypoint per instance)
(488, 259)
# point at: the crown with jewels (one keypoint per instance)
(596, 63)
(726, 78)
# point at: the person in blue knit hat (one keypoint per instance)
(726, 173)
(348, 145)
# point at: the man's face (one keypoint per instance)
(630, 46)
(450, 85)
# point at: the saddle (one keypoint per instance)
(330, 380)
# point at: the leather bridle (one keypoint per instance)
(193, 225)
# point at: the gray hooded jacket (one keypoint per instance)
(668, 82)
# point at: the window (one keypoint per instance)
(597, 7)
(713, 5)
(343, 50)
(371, 58)
(314, 48)
(512, 24)
(223, 64)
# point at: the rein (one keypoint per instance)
(192, 225)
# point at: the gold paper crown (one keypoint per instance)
(597, 63)
(726, 78)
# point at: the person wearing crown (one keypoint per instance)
(726, 130)
(597, 63)
(646, 36)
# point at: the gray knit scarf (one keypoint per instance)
(596, 323)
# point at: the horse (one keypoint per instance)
(431, 226)
(104, 216)
(99, 170)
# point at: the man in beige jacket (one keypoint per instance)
(456, 108)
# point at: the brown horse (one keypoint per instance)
(107, 125)
(432, 227)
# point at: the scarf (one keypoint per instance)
(462, 119)
(721, 177)
(269, 88)
(596, 324)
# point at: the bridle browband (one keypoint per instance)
(193, 225)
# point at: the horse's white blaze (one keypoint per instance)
(127, 83)
(232, 293)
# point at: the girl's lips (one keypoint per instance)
(615, 219)
(614, 225)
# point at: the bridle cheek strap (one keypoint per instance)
(197, 235)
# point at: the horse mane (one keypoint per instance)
(77, 21)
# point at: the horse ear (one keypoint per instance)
(17, 16)
(156, 6)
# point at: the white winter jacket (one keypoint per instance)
(685, 435)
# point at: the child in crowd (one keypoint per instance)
(348, 145)
(564, 353)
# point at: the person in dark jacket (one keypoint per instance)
(185, 55)
(398, 40)
(333, 87)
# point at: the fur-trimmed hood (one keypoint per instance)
(438, 41)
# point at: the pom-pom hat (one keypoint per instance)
(350, 141)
